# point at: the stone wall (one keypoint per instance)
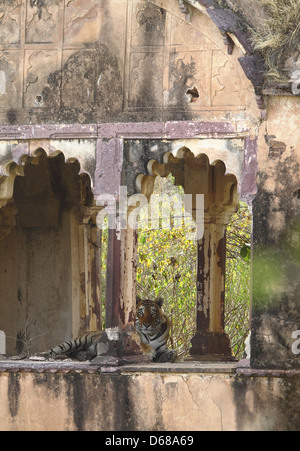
(276, 289)
(85, 62)
(164, 399)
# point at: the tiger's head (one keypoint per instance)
(149, 316)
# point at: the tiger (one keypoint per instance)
(153, 327)
(151, 324)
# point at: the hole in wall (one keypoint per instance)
(39, 100)
(194, 94)
(297, 194)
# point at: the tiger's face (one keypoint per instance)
(149, 316)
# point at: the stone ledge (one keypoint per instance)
(184, 367)
(15, 366)
(67, 366)
(113, 366)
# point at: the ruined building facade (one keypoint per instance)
(99, 94)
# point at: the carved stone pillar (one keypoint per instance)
(113, 271)
(128, 275)
(87, 243)
(210, 340)
(121, 278)
(220, 202)
(122, 339)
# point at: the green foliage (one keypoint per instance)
(238, 273)
(166, 268)
(104, 242)
(246, 252)
(167, 261)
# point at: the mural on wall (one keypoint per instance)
(61, 61)
(53, 60)
(175, 65)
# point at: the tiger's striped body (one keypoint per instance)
(82, 348)
(154, 328)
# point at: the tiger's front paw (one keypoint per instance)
(149, 351)
(170, 355)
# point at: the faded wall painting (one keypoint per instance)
(62, 60)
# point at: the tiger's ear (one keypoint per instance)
(138, 299)
(159, 302)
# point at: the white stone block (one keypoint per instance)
(2, 83)
(2, 343)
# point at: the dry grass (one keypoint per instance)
(279, 37)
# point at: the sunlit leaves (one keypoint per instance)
(245, 252)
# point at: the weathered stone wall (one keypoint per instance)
(85, 62)
(147, 401)
(276, 289)
(33, 319)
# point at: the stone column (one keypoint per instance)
(128, 276)
(113, 275)
(121, 278)
(122, 341)
(86, 268)
(210, 340)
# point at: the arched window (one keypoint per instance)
(167, 266)
(212, 199)
(50, 253)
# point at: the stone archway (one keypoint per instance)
(49, 253)
(199, 177)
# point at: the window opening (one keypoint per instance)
(50, 257)
(167, 262)
(217, 322)
(238, 278)
(167, 268)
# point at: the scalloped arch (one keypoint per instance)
(11, 169)
(197, 176)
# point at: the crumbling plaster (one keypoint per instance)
(151, 401)
(99, 56)
(276, 236)
(122, 71)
